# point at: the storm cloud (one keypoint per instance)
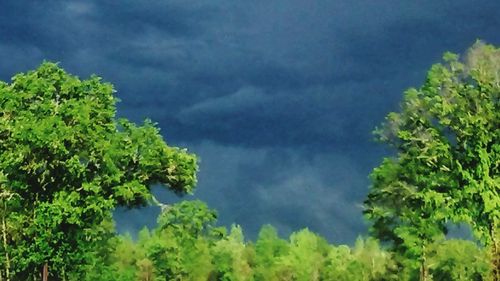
(277, 98)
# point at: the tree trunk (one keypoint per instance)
(45, 272)
(7, 258)
(495, 254)
(424, 270)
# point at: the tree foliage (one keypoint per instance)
(184, 233)
(304, 256)
(458, 260)
(447, 138)
(69, 162)
(269, 250)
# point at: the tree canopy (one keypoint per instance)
(66, 162)
(447, 139)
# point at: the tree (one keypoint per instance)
(124, 258)
(447, 138)
(366, 261)
(179, 246)
(71, 162)
(231, 258)
(8, 200)
(375, 263)
(396, 205)
(269, 249)
(458, 260)
(305, 256)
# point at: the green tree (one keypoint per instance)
(396, 205)
(375, 263)
(8, 201)
(179, 246)
(339, 265)
(71, 162)
(458, 260)
(231, 258)
(124, 258)
(447, 138)
(306, 255)
(269, 249)
(145, 267)
(366, 261)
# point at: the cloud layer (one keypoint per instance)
(277, 98)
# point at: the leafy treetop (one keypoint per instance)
(447, 167)
(69, 162)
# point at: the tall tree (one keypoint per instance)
(396, 204)
(447, 138)
(8, 201)
(72, 162)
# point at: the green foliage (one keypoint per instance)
(124, 258)
(165, 254)
(447, 138)
(366, 261)
(184, 234)
(458, 260)
(305, 256)
(188, 218)
(269, 250)
(69, 163)
(231, 258)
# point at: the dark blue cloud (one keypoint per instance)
(278, 98)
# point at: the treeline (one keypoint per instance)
(186, 245)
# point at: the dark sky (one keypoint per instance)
(277, 98)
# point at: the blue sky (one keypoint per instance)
(277, 98)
